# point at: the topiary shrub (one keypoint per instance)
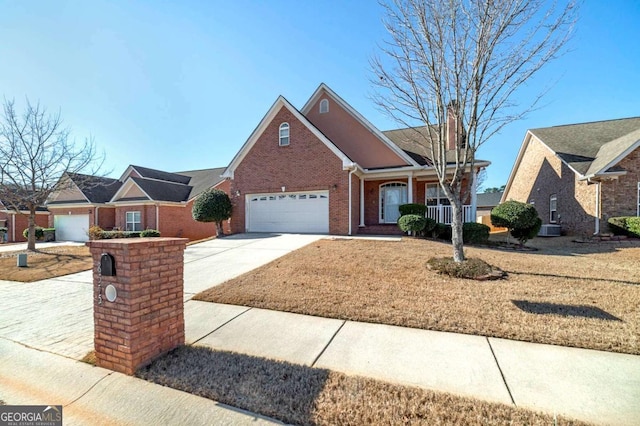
(475, 233)
(412, 223)
(109, 235)
(429, 226)
(3, 233)
(412, 208)
(96, 233)
(625, 225)
(39, 233)
(442, 232)
(150, 233)
(520, 218)
(213, 205)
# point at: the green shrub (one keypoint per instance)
(3, 230)
(412, 223)
(150, 233)
(110, 235)
(213, 205)
(625, 225)
(39, 233)
(520, 218)
(413, 208)
(442, 231)
(429, 226)
(475, 233)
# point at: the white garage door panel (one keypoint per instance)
(73, 227)
(288, 212)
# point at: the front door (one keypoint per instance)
(392, 195)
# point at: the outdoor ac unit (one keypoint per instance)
(549, 231)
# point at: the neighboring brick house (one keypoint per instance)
(326, 169)
(580, 175)
(17, 221)
(141, 199)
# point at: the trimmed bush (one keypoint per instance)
(213, 205)
(429, 226)
(110, 235)
(39, 233)
(442, 232)
(520, 218)
(625, 225)
(475, 233)
(95, 233)
(150, 233)
(413, 208)
(412, 223)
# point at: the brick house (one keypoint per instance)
(141, 198)
(579, 175)
(327, 169)
(17, 221)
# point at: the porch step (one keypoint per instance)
(383, 229)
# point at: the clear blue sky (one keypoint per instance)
(181, 85)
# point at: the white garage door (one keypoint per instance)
(288, 212)
(73, 227)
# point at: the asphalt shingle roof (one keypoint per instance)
(160, 175)
(588, 147)
(162, 190)
(97, 189)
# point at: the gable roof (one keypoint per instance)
(324, 89)
(95, 188)
(169, 187)
(280, 103)
(592, 148)
(488, 199)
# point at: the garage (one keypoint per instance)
(73, 227)
(303, 212)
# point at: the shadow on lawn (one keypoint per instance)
(584, 311)
(607, 280)
(273, 388)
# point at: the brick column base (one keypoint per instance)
(146, 319)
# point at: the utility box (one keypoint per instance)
(138, 307)
(22, 260)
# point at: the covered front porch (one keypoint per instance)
(381, 196)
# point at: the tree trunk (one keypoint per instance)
(31, 239)
(219, 230)
(456, 231)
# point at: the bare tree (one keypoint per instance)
(35, 151)
(464, 59)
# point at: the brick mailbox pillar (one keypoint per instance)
(138, 307)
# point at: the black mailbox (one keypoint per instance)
(107, 265)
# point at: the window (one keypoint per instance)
(638, 211)
(133, 222)
(553, 208)
(392, 195)
(284, 134)
(434, 195)
(324, 106)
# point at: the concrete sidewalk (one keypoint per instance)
(95, 396)
(594, 386)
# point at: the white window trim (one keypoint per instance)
(441, 194)
(324, 103)
(553, 197)
(284, 127)
(381, 187)
(638, 210)
(133, 222)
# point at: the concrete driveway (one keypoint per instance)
(56, 315)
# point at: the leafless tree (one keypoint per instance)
(35, 151)
(468, 58)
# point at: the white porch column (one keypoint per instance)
(474, 195)
(410, 189)
(361, 203)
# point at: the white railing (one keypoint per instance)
(444, 214)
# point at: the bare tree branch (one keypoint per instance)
(468, 59)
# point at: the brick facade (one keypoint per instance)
(147, 318)
(306, 164)
(17, 223)
(620, 196)
(541, 174)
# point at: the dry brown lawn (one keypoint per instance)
(46, 263)
(301, 395)
(566, 293)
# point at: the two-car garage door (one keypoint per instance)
(305, 212)
(73, 227)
